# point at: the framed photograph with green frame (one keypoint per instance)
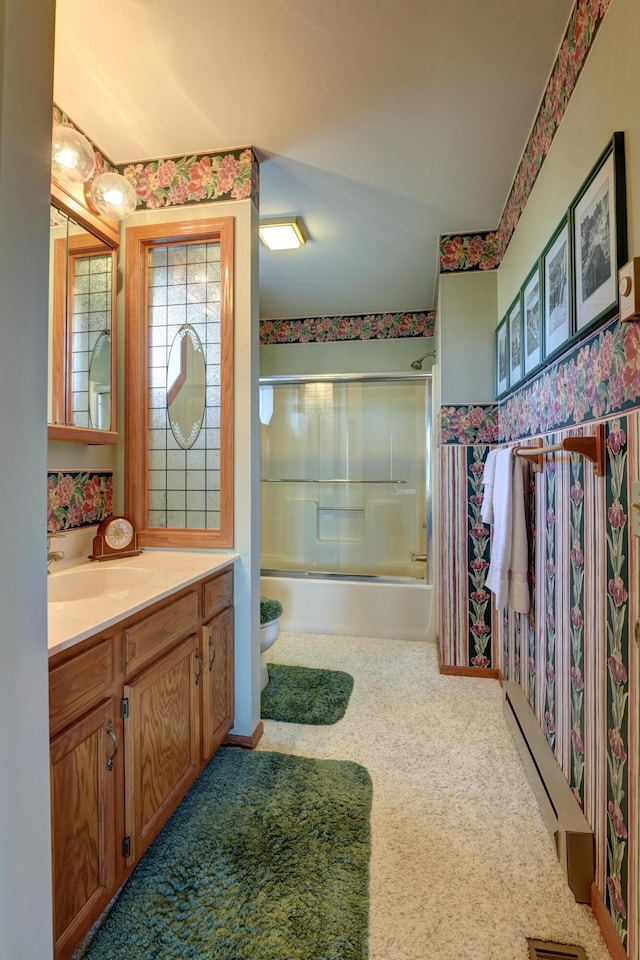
(556, 290)
(502, 357)
(532, 321)
(598, 219)
(516, 366)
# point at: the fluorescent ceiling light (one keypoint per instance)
(282, 233)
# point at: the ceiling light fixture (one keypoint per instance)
(113, 195)
(73, 159)
(282, 233)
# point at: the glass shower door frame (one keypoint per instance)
(424, 379)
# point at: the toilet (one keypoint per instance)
(270, 613)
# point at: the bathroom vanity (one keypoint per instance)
(140, 698)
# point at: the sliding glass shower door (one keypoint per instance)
(345, 466)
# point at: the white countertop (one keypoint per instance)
(170, 571)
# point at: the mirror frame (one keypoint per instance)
(73, 202)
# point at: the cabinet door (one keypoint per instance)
(217, 681)
(82, 824)
(162, 741)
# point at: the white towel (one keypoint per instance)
(498, 574)
(488, 476)
(519, 566)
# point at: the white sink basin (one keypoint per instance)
(95, 581)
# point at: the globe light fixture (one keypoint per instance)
(113, 195)
(73, 158)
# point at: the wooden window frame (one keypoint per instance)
(139, 240)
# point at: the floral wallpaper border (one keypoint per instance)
(178, 181)
(472, 251)
(370, 326)
(469, 423)
(599, 378)
(78, 498)
(483, 251)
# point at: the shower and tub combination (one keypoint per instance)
(346, 503)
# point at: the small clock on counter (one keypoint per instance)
(115, 538)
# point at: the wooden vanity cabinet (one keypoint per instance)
(83, 796)
(86, 781)
(162, 743)
(217, 661)
(217, 682)
(135, 714)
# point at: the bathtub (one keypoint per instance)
(399, 609)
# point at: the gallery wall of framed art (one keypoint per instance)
(573, 285)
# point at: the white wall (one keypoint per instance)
(245, 438)
(349, 356)
(26, 59)
(467, 308)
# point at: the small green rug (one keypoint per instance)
(305, 695)
(266, 858)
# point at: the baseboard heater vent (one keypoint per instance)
(545, 950)
(560, 810)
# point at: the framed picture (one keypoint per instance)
(556, 285)
(514, 319)
(532, 321)
(502, 357)
(599, 228)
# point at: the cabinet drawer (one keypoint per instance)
(217, 594)
(145, 640)
(77, 683)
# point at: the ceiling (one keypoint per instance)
(382, 123)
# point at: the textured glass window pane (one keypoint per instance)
(197, 252)
(196, 500)
(177, 273)
(196, 520)
(157, 256)
(176, 500)
(175, 480)
(176, 459)
(157, 459)
(184, 289)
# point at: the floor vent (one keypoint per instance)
(546, 950)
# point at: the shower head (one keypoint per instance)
(417, 364)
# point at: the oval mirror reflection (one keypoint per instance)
(186, 379)
(100, 383)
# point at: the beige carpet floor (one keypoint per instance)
(462, 867)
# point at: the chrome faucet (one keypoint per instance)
(53, 554)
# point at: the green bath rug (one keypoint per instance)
(305, 695)
(266, 858)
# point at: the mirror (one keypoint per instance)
(186, 383)
(82, 284)
(100, 383)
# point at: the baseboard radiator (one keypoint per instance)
(572, 835)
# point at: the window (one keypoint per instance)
(179, 383)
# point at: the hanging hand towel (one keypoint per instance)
(486, 511)
(498, 575)
(519, 564)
